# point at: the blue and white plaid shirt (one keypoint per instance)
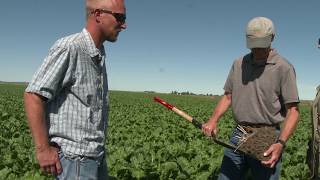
(73, 77)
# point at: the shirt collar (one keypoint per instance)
(91, 47)
(271, 58)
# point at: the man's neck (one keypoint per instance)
(260, 54)
(95, 35)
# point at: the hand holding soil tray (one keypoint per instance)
(253, 141)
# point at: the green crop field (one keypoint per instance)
(144, 139)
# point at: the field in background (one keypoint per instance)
(145, 140)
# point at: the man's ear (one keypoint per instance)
(96, 14)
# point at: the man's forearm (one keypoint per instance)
(35, 110)
(222, 107)
(290, 122)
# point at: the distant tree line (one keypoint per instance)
(190, 93)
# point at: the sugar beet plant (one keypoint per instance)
(17, 153)
(152, 142)
(144, 140)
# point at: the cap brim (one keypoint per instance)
(261, 42)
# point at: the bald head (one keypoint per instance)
(116, 5)
(105, 19)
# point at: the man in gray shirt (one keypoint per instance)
(261, 88)
(67, 100)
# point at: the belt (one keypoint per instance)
(259, 125)
(53, 144)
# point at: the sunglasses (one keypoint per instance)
(120, 17)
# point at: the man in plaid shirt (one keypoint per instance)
(67, 100)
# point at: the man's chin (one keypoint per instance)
(112, 39)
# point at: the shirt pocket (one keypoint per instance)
(89, 96)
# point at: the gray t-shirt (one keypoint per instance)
(260, 91)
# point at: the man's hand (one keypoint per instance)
(275, 150)
(210, 128)
(48, 159)
(289, 126)
(47, 155)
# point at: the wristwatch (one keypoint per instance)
(281, 142)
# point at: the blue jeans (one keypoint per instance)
(235, 165)
(82, 168)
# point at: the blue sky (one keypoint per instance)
(182, 45)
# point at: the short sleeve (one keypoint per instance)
(49, 78)
(228, 86)
(289, 90)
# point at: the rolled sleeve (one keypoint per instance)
(48, 79)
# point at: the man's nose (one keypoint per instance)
(124, 26)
